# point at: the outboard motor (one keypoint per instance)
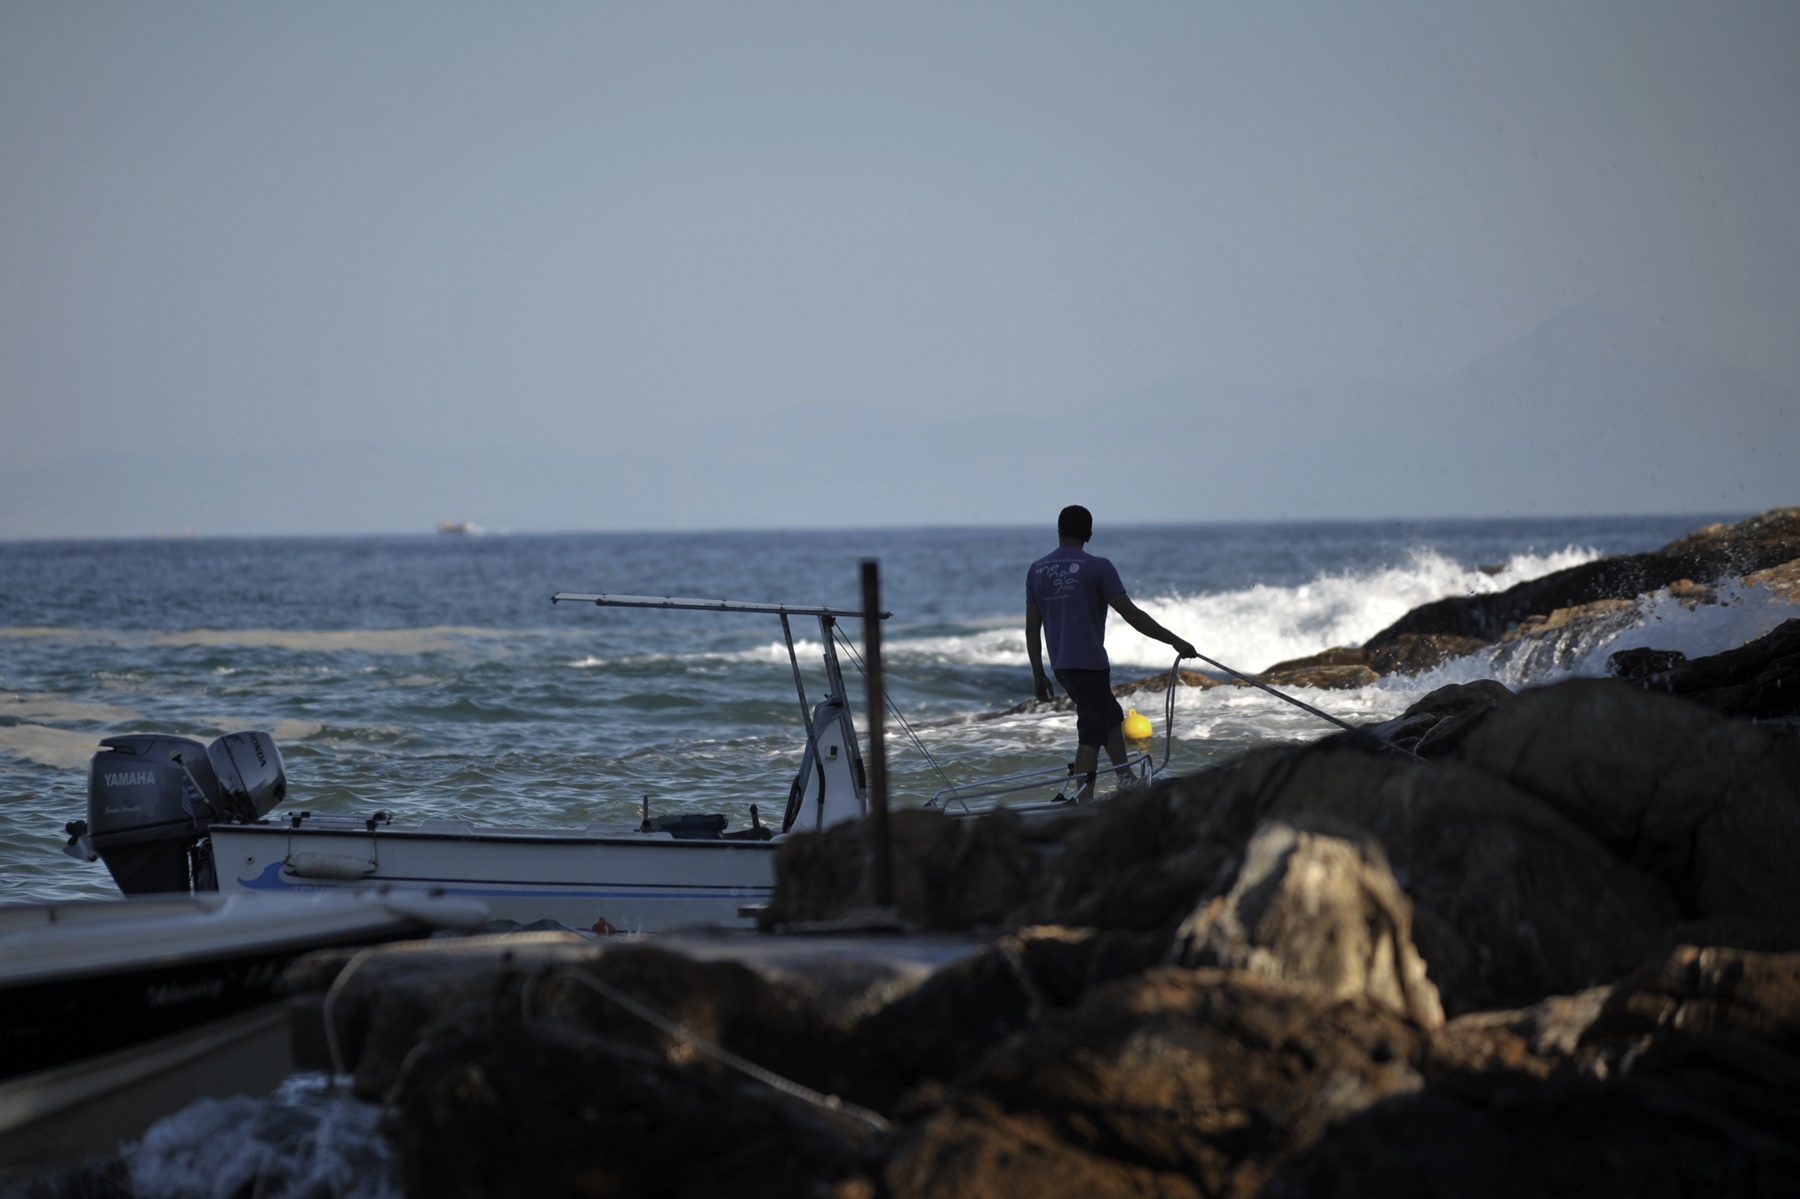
(152, 797)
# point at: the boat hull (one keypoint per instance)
(604, 881)
(74, 1111)
(116, 1012)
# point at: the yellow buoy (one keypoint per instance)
(1138, 727)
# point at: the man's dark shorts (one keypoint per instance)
(1097, 713)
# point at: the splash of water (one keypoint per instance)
(1255, 627)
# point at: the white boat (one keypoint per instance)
(116, 1012)
(163, 821)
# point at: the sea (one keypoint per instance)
(430, 675)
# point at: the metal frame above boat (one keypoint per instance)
(832, 763)
(662, 873)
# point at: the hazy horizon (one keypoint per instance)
(1046, 527)
(340, 269)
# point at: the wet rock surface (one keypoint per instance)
(1759, 679)
(1561, 958)
(1715, 552)
(1543, 624)
(1317, 909)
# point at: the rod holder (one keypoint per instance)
(881, 849)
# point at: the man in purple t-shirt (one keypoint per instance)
(1067, 593)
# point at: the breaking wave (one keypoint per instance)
(1254, 628)
(1659, 620)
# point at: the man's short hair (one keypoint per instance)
(1075, 521)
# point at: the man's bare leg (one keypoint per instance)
(1087, 757)
(1115, 749)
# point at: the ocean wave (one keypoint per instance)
(1658, 620)
(1250, 629)
(1255, 627)
(372, 641)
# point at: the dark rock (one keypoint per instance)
(1437, 723)
(1708, 807)
(1539, 1040)
(969, 1147)
(1759, 679)
(949, 872)
(1715, 552)
(943, 1027)
(1512, 902)
(1728, 932)
(1336, 656)
(1144, 859)
(1416, 653)
(547, 1109)
(1636, 665)
(1679, 1080)
(1324, 678)
(1571, 827)
(1747, 541)
(1505, 1136)
(1705, 991)
(1159, 682)
(1412, 653)
(1320, 910)
(1175, 1082)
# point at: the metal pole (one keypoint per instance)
(881, 849)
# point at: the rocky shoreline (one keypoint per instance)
(1543, 943)
(1763, 551)
(1559, 955)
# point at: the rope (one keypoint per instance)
(718, 1053)
(1169, 713)
(1306, 707)
(887, 699)
(332, 1049)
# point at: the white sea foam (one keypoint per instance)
(1253, 628)
(1262, 625)
(308, 1139)
(1658, 621)
(1250, 629)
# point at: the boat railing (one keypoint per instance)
(1142, 764)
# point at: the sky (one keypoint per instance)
(361, 267)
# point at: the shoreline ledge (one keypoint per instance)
(1537, 615)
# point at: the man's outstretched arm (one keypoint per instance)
(1146, 624)
(1034, 649)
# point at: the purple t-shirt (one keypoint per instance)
(1070, 589)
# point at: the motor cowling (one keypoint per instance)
(248, 767)
(152, 797)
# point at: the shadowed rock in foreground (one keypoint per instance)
(1562, 958)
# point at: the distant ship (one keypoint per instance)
(455, 526)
